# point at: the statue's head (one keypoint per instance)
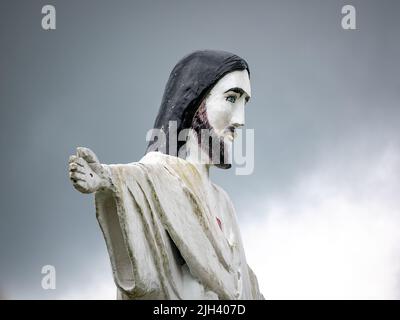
(203, 105)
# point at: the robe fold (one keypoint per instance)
(172, 234)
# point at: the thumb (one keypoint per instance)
(88, 155)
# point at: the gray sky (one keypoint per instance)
(325, 107)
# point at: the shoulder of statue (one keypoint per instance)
(155, 157)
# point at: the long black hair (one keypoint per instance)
(188, 84)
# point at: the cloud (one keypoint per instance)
(335, 234)
(100, 289)
(98, 286)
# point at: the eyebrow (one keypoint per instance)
(239, 91)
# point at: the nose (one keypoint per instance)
(237, 119)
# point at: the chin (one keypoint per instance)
(223, 165)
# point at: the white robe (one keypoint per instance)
(163, 236)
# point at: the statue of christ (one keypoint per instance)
(170, 232)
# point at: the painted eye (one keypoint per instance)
(231, 99)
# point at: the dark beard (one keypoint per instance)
(217, 150)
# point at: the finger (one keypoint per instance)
(87, 155)
(80, 162)
(75, 167)
(81, 186)
(76, 176)
(72, 158)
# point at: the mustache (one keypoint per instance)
(229, 129)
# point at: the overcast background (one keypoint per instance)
(320, 215)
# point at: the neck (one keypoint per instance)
(197, 156)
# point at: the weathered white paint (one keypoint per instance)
(170, 232)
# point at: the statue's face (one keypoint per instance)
(221, 113)
(226, 102)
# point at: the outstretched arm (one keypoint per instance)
(86, 173)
